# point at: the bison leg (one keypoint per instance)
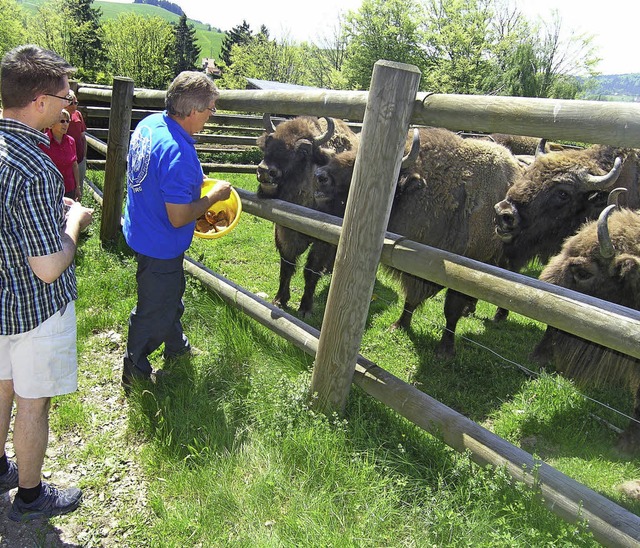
(629, 440)
(319, 261)
(455, 305)
(416, 291)
(290, 245)
(500, 315)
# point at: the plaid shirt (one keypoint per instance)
(31, 223)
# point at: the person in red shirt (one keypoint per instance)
(77, 129)
(62, 150)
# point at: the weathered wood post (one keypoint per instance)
(116, 167)
(384, 132)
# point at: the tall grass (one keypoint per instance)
(232, 453)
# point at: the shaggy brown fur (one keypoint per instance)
(286, 173)
(581, 267)
(445, 199)
(549, 202)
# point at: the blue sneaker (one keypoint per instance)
(9, 480)
(51, 502)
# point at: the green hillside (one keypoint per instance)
(208, 38)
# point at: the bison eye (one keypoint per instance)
(562, 195)
(581, 275)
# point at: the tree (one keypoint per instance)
(265, 60)
(85, 35)
(49, 29)
(459, 43)
(240, 35)
(11, 26)
(185, 52)
(137, 48)
(381, 29)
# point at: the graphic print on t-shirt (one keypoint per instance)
(139, 157)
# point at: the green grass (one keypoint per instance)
(230, 453)
(209, 39)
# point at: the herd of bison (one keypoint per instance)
(499, 199)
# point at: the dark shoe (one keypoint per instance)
(51, 502)
(9, 480)
(133, 374)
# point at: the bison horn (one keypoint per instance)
(600, 182)
(606, 247)
(541, 148)
(267, 123)
(410, 158)
(322, 139)
(614, 195)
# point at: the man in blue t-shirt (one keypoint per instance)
(164, 180)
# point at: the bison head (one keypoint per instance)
(602, 259)
(288, 154)
(551, 199)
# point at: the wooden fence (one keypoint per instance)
(386, 111)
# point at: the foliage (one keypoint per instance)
(137, 47)
(266, 60)
(238, 35)
(12, 32)
(381, 29)
(85, 36)
(185, 52)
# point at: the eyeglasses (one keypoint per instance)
(67, 98)
(213, 110)
(65, 121)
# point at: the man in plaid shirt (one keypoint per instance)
(37, 280)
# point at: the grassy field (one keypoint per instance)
(228, 452)
(209, 40)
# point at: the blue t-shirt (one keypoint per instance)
(162, 167)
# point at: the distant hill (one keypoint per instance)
(208, 38)
(614, 87)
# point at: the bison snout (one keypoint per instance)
(507, 220)
(321, 176)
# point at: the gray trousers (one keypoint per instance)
(156, 317)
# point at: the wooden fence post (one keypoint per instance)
(384, 132)
(117, 148)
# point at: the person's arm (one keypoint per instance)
(49, 267)
(182, 214)
(76, 176)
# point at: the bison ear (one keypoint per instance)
(322, 156)
(627, 268)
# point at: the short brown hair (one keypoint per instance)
(190, 90)
(28, 71)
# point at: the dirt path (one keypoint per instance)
(114, 490)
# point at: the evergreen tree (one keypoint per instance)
(185, 52)
(241, 35)
(85, 35)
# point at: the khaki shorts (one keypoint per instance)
(42, 362)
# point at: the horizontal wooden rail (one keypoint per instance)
(614, 123)
(600, 321)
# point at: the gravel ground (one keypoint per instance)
(104, 518)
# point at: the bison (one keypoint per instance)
(556, 194)
(291, 153)
(444, 198)
(601, 260)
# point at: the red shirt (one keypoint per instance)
(77, 127)
(63, 155)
